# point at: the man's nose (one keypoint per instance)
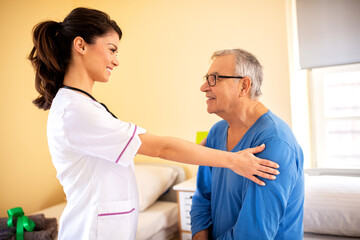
(205, 87)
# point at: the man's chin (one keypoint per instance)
(210, 111)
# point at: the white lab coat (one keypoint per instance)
(93, 154)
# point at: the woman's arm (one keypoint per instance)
(203, 142)
(243, 163)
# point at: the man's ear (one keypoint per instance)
(79, 45)
(245, 85)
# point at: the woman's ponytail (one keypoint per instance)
(45, 58)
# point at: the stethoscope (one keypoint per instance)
(88, 94)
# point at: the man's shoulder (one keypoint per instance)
(218, 128)
(276, 131)
(279, 140)
(220, 125)
(273, 126)
(216, 134)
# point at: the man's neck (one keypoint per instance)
(241, 120)
(246, 115)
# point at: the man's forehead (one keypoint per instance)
(222, 64)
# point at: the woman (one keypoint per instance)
(91, 149)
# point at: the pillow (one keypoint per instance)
(332, 205)
(152, 182)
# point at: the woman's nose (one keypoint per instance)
(115, 62)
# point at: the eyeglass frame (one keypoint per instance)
(206, 78)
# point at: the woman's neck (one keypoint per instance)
(78, 79)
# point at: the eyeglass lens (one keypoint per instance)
(211, 79)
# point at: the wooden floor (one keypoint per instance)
(176, 237)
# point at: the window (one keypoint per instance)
(334, 97)
(325, 104)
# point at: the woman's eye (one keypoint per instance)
(113, 50)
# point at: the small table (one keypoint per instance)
(185, 192)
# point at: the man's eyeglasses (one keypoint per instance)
(212, 78)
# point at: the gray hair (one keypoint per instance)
(246, 65)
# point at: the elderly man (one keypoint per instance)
(229, 206)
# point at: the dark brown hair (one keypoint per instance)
(51, 53)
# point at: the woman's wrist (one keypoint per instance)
(229, 160)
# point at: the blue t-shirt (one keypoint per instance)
(234, 207)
